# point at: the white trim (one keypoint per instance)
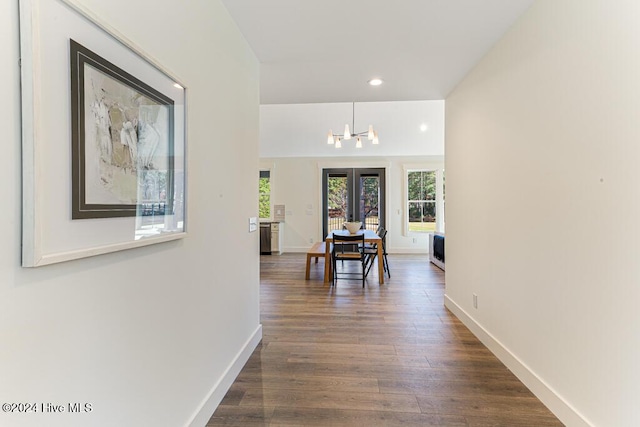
(208, 406)
(297, 249)
(406, 250)
(353, 164)
(440, 200)
(30, 86)
(101, 250)
(567, 414)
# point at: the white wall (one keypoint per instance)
(542, 205)
(296, 182)
(300, 130)
(149, 336)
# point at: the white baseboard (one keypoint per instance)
(297, 249)
(215, 396)
(408, 250)
(567, 414)
(437, 262)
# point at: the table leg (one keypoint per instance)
(380, 265)
(327, 261)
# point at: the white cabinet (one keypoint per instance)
(276, 238)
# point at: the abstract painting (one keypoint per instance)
(122, 141)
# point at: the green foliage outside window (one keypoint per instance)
(369, 196)
(264, 207)
(337, 196)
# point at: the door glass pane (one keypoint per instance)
(369, 201)
(337, 202)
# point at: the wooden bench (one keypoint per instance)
(316, 251)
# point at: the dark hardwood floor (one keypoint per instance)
(386, 355)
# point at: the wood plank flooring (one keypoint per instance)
(386, 355)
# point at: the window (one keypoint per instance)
(264, 208)
(421, 201)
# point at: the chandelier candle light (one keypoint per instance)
(337, 139)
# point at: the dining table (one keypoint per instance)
(370, 236)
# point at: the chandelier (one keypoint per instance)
(337, 138)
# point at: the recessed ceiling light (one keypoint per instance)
(423, 127)
(375, 82)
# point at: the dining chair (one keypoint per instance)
(371, 252)
(346, 248)
(385, 263)
(368, 245)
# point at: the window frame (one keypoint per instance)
(438, 201)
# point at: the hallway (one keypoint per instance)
(389, 355)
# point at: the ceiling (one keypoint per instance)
(326, 51)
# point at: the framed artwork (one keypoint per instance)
(104, 135)
(121, 139)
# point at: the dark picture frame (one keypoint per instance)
(122, 136)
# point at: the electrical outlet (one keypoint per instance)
(415, 240)
(475, 301)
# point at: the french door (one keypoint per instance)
(352, 195)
